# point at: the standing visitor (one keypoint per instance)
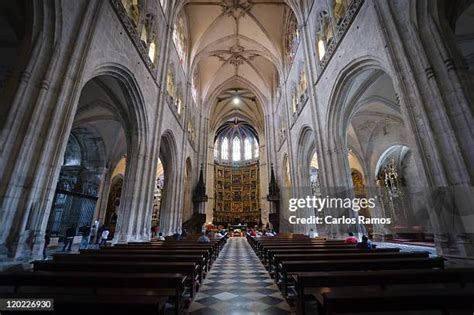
(104, 236)
(93, 233)
(99, 233)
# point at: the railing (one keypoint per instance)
(133, 33)
(341, 29)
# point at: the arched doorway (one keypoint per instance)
(372, 121)
(401, 194)
(113, 205)
(359, 187)
(157, 196)
(94, 166)
(79, 181)
(308, 173)
(170, 215)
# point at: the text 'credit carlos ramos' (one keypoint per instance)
(333, 204)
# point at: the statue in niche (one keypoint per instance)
(303, 84)
(358, 182)
(327, 29)
(292, 38)
(133, 9)
(393, 199)
(170, 88)
(294, 101)
(180, 39)
(391, 178)
(340, 9)
(191, 131)
(315, 182)
(178, 104)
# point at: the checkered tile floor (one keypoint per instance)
(238, 284)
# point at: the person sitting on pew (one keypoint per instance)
(184, 234)
(161, 237)
(177, 236)
(203, 238)
(351, 239)
(253, 233)
(312, 233)
(365, 244)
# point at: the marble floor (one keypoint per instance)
(238, 284)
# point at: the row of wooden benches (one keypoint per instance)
(385, 278)
(122, 279)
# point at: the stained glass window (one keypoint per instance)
(179, 39)
(225, 149)
(248, 149)
(236, 149)
(216, 151)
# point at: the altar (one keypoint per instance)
(237, 230)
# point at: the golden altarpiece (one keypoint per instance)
(236, 194)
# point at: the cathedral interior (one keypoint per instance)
(172, 116)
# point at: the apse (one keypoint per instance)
(238, 182)
(236, 172)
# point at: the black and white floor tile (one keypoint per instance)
(238, 284)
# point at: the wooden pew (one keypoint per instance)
(212, 253)
(156, 252)
(261, 245)
(278, 258)
(316, 283)
(263, 252)
(287, 267)
(270, 253)
(97, 289)
(198, 259)
(187, 268)
(399, 300)
(215, 247)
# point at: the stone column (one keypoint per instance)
(437, 108)
(133, 203)
(35, 134)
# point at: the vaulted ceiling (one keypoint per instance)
(236, 45)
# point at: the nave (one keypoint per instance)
(238, 284)
(285, 274)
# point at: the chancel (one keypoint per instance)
(242, 156)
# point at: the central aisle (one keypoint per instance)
(238, 284)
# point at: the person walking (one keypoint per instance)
(47, 240)
(70, 233)
(93, 234)
(86, 232)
